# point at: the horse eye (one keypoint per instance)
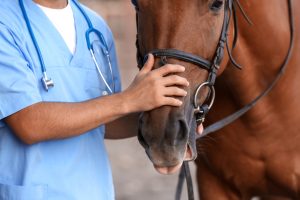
(216, 5)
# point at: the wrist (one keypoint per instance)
(124, 103)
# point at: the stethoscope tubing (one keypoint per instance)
(47, 82)
(99, 71)
(36, 46)
(89, 46)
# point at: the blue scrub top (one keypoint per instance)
(73, 168)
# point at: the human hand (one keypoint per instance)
(154, 88)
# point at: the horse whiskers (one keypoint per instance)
(205, 141)
(203, 154)
(208, 138)
(201, 148)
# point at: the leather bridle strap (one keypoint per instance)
(212, 67)
(231, 118)
(211, 80)
(185, 173)
(181, 55)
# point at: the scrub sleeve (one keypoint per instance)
(18, 84)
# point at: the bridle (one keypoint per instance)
(212, 67)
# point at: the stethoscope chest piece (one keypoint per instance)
(47, 82)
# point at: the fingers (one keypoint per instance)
(149, 64)
(169, 69)
(172, 102)
(175, 80)
(162, 71)
(175, 91)
(154, 88)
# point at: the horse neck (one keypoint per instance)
(261, 50)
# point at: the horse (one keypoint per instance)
(239, 55)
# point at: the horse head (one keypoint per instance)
(193, 34)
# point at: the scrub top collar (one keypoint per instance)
(34, 12)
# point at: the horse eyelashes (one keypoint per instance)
(216, 5)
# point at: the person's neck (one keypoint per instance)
(55, 4)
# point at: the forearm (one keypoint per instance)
(47, 121)
(150, 89)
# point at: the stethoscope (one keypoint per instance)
(48, 82)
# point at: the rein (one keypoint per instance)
(231, 118)
(200, 111)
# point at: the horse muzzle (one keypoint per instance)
(166, 146)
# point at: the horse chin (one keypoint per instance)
(188, 156)
(168, 170)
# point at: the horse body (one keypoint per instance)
(259, 153)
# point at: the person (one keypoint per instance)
(52, 140)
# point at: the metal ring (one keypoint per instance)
(211, 95)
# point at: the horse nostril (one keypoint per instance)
(182, 131)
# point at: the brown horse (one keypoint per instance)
(259, 153)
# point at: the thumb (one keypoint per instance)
(149, 64)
